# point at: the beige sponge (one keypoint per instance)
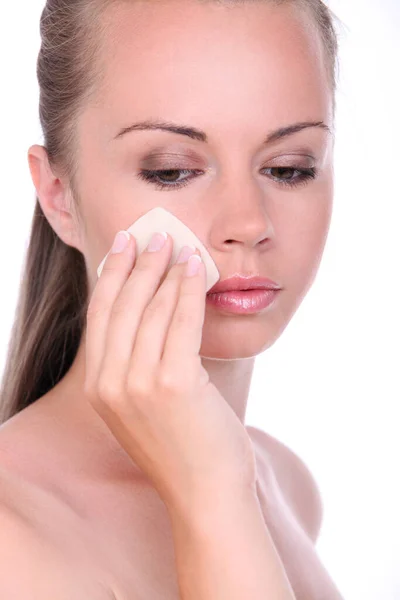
(159, 219)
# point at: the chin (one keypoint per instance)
(236, 349)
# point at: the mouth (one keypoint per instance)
(242, 283)
(246, 302)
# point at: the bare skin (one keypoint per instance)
(114, 532)
(104, 526)
(62, 470)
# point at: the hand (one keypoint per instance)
(145, 379)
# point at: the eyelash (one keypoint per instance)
(150, 176)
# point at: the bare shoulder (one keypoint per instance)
(32, 565)
(295, 480)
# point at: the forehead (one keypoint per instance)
(203, 63)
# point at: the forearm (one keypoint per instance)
(226, 551)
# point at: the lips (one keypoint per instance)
(239, 283)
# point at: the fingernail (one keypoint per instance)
(193, 266)
(157, 242)
(185, 254)
(120, 243)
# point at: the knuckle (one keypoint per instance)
(144, 263)
(121, 305)
(109, 392)
(110, 266)
(157, 306)
(96, 310)
(170, 383)
(151, 310)
(183, 318)
(162, 301)
(138, 387)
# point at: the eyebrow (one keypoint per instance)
(201, 136)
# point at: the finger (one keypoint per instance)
(182, 346)
(127, 312)
(151, 337)
(109, 285)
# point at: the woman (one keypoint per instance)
(127, 471)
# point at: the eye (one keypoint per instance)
(284, 175)
(170, 177)
(168, 174)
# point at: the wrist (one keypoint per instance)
(208, 506)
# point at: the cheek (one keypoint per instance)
(305, 238)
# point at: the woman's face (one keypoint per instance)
(236, 73)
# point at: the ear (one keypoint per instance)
(54, 197)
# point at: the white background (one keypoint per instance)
(329, 387)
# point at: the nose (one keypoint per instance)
(241, 217)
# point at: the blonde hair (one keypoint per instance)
(53, 298)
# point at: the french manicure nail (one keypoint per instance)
(120, 243)
(185, 254)
(157, 242)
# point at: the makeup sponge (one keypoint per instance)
(159, 219)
